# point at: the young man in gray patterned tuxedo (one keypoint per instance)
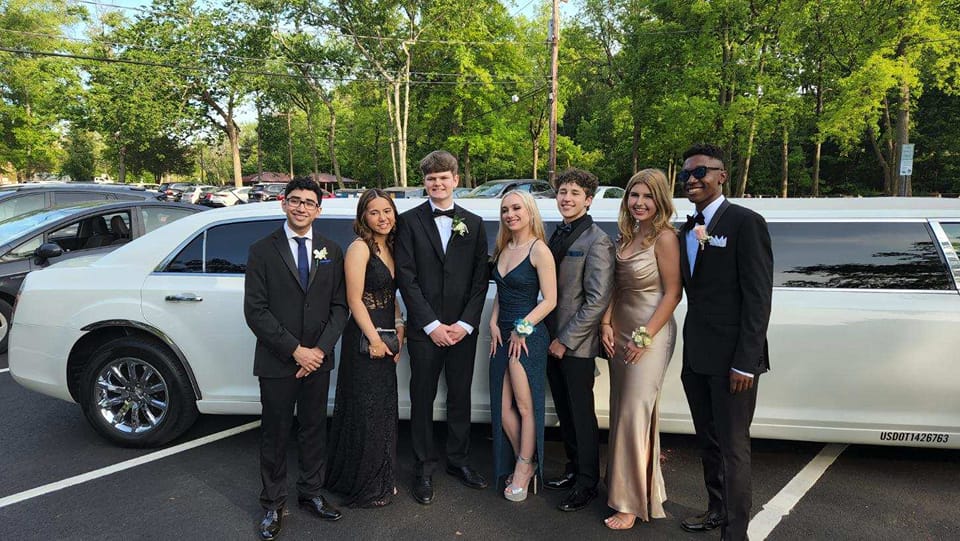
(585, 260)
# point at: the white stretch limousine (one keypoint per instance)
(863, 337)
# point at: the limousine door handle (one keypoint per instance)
(184, 297)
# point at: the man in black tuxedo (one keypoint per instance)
(295, 303)
(442, 273)
(727, 267)
(585, 259)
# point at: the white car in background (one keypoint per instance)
(863, 334)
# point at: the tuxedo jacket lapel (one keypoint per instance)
(717, 215)
(684, 260)
(282, 245)
(314, 264)
(430, 228)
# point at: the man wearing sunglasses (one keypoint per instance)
(727, 267)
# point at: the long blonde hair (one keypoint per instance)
(656, 181)
(536, 222)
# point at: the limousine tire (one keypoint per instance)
(136, 394)
(6, 319)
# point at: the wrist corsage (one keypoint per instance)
(641, 338)
(523, 328)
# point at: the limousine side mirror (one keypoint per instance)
(48, 250)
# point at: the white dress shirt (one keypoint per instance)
(295, 246)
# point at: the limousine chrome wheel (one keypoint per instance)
(135, 393)
(133, 397)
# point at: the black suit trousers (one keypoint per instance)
(427, 360)
(279, 397)
(571, 384)
(722, 421)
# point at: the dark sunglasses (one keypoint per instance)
(697, 172)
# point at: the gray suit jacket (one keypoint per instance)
(584, 288)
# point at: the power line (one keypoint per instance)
(179, 67)
(219, 56)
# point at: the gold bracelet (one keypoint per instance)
(605, 323)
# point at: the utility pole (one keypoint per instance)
(554, 50)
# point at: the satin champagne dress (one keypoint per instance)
(634, 479)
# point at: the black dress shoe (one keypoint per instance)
(578, 499)
(319, 507)
(423, 489)
(704, 522)
(562, 483)
(271, 524)
(468, 476)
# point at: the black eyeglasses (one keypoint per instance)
(308, 204)
(697, 172)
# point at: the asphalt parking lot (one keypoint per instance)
(59, 480)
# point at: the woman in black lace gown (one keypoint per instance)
(363, 440)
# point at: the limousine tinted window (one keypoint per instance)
(190, 258)
(856, 255)
(228, 244)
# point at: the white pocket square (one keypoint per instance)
(719, 242)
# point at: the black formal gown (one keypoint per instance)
(363, 438)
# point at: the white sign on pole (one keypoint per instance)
(906, 159)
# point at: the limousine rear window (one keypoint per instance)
(857, 255)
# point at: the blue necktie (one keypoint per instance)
(303, 264)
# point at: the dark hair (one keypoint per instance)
(705, 149)
(439, 161)
(304, 183)
(360, 226)
(585, 179)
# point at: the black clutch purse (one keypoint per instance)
(389, 337)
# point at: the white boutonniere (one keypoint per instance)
(460, 226)
(320, 255)
(702, 237)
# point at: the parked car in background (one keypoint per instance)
(408, 192)
(498, 188)
(43, 237)
(173, 191)
(17, 199)
(193, 196)
(225, 197)
(461, 191)
(862, 336)
(266, 192)
(349, 192)
(609, 192)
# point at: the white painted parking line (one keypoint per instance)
(780, 506)
(125, 465)
(2, 370)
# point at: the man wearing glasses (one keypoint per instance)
(727, 268)
(295, 303)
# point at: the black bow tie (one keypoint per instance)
(447, 213)
(695, 220)
(564, 228)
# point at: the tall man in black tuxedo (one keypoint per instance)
(727, 267)
(442, 273)
(585, 259)
(295, 303)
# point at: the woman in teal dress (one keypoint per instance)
(524, 272)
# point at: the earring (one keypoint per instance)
(636, 226)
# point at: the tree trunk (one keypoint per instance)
(290, 143)
(635, 147)
(259, 138)
(890, 179)
(122, 166)
(745, 173)
(467, 176)
(233, 134)
(332, 142)
(878, 152)
(815, 190)
(785, 161)
(311, 129)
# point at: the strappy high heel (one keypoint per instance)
(516, 493)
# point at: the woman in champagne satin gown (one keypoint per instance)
(647, 289)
